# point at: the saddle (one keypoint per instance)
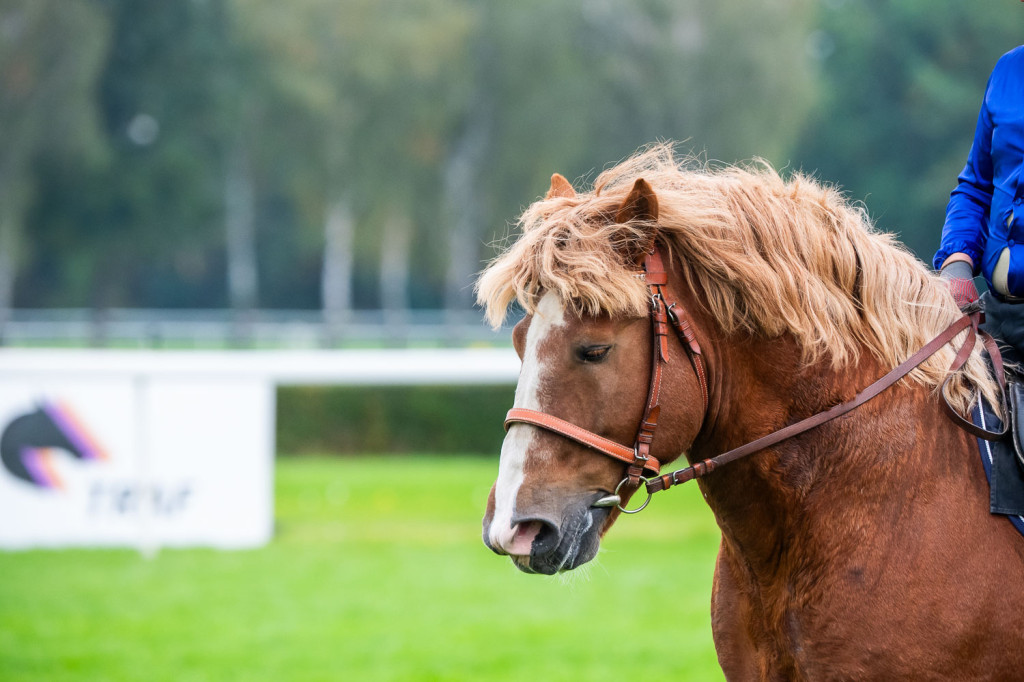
(1015, 388)
(1003, 459)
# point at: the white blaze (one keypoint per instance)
(518, 442)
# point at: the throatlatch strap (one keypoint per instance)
(656, 277)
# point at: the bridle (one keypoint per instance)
(638, 458)
(663, 313)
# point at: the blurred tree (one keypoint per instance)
(369, 78)
(901, 88)
(365, 153)
(451, 114)
(50, 52)
(572, 86)
(144, 223)
(302, 46)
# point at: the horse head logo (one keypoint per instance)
(30, 441)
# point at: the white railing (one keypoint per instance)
(141, 328)
(347, 367)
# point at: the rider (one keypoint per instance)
(984, 229)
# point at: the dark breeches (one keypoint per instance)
(1005, 321)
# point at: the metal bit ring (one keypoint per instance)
(642, 506)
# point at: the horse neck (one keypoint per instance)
(773, 506)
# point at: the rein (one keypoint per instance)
(638, 458)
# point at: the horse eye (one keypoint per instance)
(593, 353)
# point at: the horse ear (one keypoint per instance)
(641, 204)
(560, 187)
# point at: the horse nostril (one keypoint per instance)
(521, 540)
(534, 536)
(546, 540)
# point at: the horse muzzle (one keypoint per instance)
(542, 545)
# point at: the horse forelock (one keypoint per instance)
(771, 256)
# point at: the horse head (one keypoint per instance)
(782, 282)
(28, 440)
(554, 497)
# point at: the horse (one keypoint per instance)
(860, 549)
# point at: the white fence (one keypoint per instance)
(137, 328)
(153, 448)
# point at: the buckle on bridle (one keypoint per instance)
(671, 314)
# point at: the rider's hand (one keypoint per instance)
(960, 276)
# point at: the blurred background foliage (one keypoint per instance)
(354, 420)
(368, 153)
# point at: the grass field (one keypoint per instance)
(376, 572)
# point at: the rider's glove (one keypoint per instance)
(960, 276)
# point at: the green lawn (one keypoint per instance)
(376, 572)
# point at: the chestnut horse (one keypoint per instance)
(862, 549)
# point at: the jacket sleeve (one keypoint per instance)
(967, 212)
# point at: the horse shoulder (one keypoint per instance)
(745, 646)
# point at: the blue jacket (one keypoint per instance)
(986, 210)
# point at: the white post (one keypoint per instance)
(148, 544)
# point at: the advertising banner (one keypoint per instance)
(135, 460)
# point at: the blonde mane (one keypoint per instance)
(772, 256)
